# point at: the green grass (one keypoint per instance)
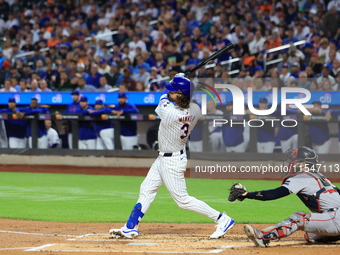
(97, 198)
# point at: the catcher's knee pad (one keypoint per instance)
(300, 218)
(296, 221)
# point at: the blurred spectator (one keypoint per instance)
(324, 49)
(241, 48)
(155, 81)
(104, 87)
(290, 37)
(22, 85)
(325, 75)
(313, 86)
(43, 86)
(8, 87)
(120, 37)
(256, 45)
(303, 80)
(285, 74)
(4, 9)
(294, 53)
(81, 70)
(128, 82)
(65, 83)
(175, 60)
(52, 135)
(160, 63)
(335, 67)
(142, 76)
(295, 70)
(34, 86)
(94, 76)
(135, 43)
(103, 67)
(83, 87)
(140, 87)
(40, 69)
(113, 77)
(331, 22)
(326, 85)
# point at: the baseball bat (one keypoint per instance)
(217, 54)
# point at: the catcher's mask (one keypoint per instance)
(302, 154)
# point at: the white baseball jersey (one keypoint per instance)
(52, 137)
(174, 130)
(176, 124)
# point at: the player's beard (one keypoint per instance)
(171, 99)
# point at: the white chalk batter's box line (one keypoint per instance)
(218, 250)
(39, 248)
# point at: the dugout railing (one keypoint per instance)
(73, 119)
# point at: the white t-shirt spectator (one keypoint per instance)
(323, 52)
(11, 89)
(199, 10)
(285, 78)
(256, 46)
(335, 3)
(10, 23)
(133, 45)
(105, 38)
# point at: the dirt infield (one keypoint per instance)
(32, 237)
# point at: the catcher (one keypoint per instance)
(314, 190)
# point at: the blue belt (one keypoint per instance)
(169, 154)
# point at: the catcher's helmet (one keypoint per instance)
(181, 84)
(304, 154)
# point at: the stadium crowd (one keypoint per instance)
(131, 45)
(153, 40)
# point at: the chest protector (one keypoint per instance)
(313, 201)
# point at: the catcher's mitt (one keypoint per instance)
(236, 192)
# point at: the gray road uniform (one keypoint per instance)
(320, 196)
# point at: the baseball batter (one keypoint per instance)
(178, 117)
(314, 190)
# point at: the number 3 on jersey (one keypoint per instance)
(185, 129)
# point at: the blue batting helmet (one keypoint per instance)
(181, 84)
